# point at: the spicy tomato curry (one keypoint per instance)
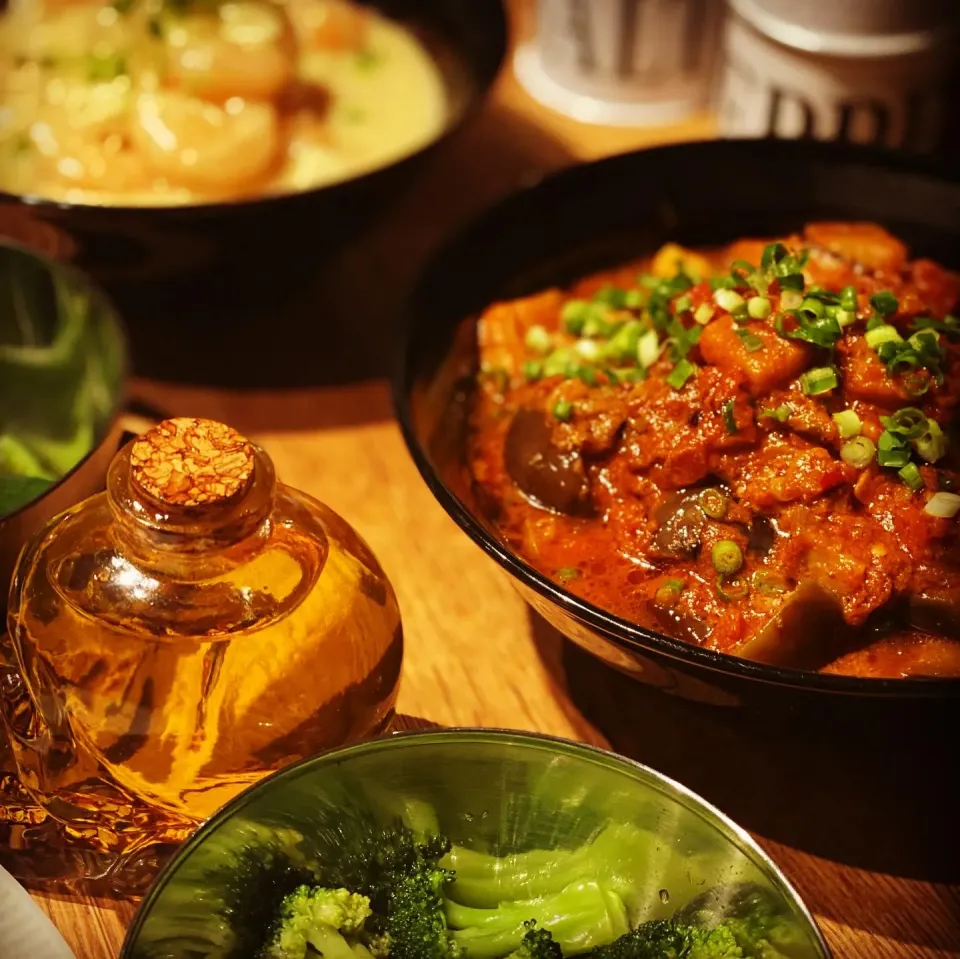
(749, 449)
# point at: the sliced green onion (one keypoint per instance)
(908, 422)
(648, 348)
(730, 300)
(729, 417)
(848, 424)
(910, 475)
(669, 592)
(858, 452)
(751, 342)
(781, 413)
(792, 281)
(563, 410)
(845, 318)
(848, 299)
(769, 584)
(622, 346)
(633, 299)
(822, 379)
(791, 300)
(892, 450)
(537, 338)
(588, 374)
(533, 370)
(925, 340)
(727, 557)
(885, 303)
(589, 350)
(714, 503)
(567, 573)
(882, 334)
(758, 307)
(731, 588)
(949, 325)
(703, 313)
(932, 445)
(574, 314)
(813, 306)
(943, 505)
(772, 254)
(682, 304)
(559, 363)
(681, 372)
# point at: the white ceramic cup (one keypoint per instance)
(787, 79)
(621, 62)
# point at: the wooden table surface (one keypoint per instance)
(474, 655)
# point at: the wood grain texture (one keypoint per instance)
(474, 655)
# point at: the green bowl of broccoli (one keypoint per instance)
(471, 844)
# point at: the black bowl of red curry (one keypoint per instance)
(595, 216)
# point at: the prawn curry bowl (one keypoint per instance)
(220, 107)
(741, 454)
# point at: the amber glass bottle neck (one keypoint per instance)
(149, 524)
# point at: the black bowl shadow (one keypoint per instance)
(330, 320)
(872, 787)
(866, 788)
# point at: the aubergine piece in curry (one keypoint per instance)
(751, 449)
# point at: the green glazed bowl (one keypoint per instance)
(495, 791)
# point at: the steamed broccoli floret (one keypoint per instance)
(667, 939)
(579, 917)
(321, 918)
(537, 944)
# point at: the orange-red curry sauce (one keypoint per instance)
(670, 452)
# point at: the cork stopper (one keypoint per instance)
(191, 462)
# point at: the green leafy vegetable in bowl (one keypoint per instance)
(61, 366)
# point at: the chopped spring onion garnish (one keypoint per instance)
(769, 584)
(909, 422)
(943, 505)
(845, 318)
(848, 424)
(714, 503)
(822, 379)
(633, 300)
(798, 325)
(533, 370)
(731, 587)
(925, 340)
(669, 592)
(648, 348)
(610, 295)
(892, 450)
(729, 417)
(792, 281)
(758, 307)
(681, 372)
(537, 338)
(622, 346)
(561, 362)
(848, 299)
(588, 374)
(791, 300)
(624, 374)
(882, 334)
(731, 301)
(574, 314)
(885, 303)
(567, 573)
(751, 342)
(874, 321)
(781, 413)
(949, 325)
(589, 350)
(813, 306)
(682, 340)
(682, 304)
(858, 452)
(563, 410)
(932, 445)
(910, 475)
(772, 254)
(703, 313)
(727, 557)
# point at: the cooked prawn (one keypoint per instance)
(245, 49)
(206, 146)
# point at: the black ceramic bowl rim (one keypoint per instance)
(282, 200)
(98, 296)
(621, 632)
(493, 734)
